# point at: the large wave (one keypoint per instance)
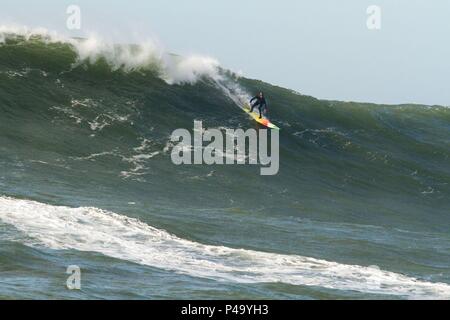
(84, 120)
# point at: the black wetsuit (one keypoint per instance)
(260, 103)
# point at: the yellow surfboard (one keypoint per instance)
(263, 121)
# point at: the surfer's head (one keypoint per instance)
(261, 94)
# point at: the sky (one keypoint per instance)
(321, 48)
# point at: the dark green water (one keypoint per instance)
(359, 209)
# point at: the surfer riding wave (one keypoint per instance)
(260, 102)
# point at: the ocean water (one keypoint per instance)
(358, 210)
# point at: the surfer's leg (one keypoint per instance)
(253, 106)
(260, 110)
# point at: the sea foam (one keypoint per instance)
(114, 235)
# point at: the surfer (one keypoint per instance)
(260, 103)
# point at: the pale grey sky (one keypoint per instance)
(322, 48)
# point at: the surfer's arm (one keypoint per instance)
(253, 99)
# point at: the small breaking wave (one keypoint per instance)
(147, 55)
(117, 236)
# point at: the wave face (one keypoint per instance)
(87, 124)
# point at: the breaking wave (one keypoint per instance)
(114, 235)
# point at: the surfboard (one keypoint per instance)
(263, 121)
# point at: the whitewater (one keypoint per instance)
(145, 55)
(92, 229)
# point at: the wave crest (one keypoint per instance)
(117, 236)
(143, 56)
